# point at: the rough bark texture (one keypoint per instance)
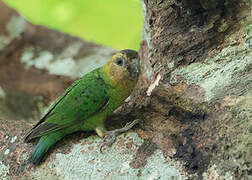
(203, 52)
(196, 123)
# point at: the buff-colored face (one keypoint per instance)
(124, 66)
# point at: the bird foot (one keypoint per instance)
(110, 136)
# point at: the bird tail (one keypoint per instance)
(43, 146)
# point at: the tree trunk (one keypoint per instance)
(202, 51)
(193, 97)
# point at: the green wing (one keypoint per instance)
(81, 100)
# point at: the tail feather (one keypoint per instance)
(43, 146)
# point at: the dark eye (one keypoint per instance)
(119, 61)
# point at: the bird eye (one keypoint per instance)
(119, 61)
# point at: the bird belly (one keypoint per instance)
(94, 121)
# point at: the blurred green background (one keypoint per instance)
(114, 23)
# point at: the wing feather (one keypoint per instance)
(81, 100)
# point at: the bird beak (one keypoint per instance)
(134, 68)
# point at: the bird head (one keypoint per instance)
(124, 67)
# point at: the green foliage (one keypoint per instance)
(115, 23)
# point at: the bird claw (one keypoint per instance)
(108, 140)
(110, 136)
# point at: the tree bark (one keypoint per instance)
(193, 97)
(202, 52)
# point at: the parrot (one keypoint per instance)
(86, 104)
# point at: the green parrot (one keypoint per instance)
(87, 102)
